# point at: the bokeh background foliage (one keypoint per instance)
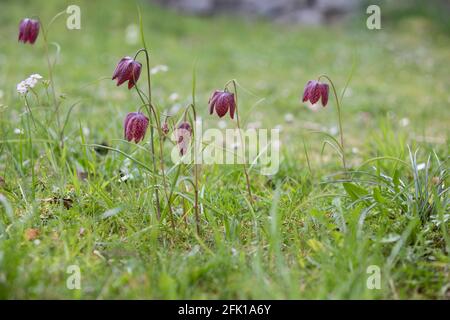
(306, 239)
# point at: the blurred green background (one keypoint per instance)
(399, 94)
(401, 71)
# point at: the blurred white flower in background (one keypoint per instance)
(404, 122)
(289, 117)
(86, 131)
(22, 87)
(175, 108)
(174, 97)
(334, 130)
(222, 124)
(159, 68)
(132, 34)
(30, 82)
(18, 131)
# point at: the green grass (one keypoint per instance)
(312, 233)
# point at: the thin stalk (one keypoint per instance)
(151, 109)
(29, 110)
(338, 106)
(161, 160)
(33, 176)
(196, 167)
(247, 179)
(52, 83)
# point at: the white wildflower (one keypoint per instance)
(404, 122)
(30, 82)
(174, 97)
(18, 131)
(22, 87)
(36, 76)
(159, 68)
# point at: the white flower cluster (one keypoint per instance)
(30, 82)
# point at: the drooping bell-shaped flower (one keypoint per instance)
(183, 136)
(135, 126)
(314, 91)
(221, 102)
(165, 128)
(28, 30)
(129, 70)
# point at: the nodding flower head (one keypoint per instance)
(135, 126)
(183, 136)
(165, 128)
(129, 70)
(314, 90)
(28, 30)
(221, 102)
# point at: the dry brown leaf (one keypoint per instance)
(31, 234)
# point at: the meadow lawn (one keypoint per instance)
(313, 230)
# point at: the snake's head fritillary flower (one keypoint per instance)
(28, 30)
(129, 70)
(221, 102)
(183, 135)
(314, 91)
(165, 128)
(135, 126)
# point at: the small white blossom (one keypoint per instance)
(36, 76)
(159, 68)
(30, 82)
(18, 131)
(404, 122)
(174, 97)
(22, 87)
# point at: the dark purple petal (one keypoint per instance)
(127, 70)
(221, 106)
(324, 93)
(125, 123)
(212, 101)
(307, 90)
(232, 104)
(34, 31)
(22, 28)
(135, 126)
(119, 67)
(314, 94)
(134, 73)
